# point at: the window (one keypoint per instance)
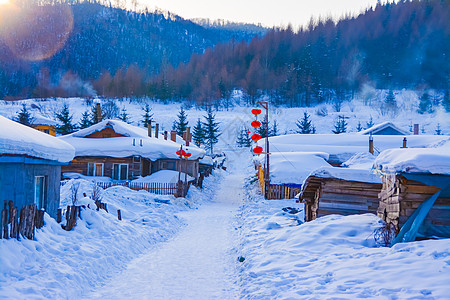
(95, 169)
(120, 171)
(39, 191)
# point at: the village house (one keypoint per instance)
(385, 128)
(123, 152)
(416, 189)
(44, 125)
(30, 166)
(343, 191)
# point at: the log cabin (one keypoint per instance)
(343, 191)
(410, 178)
(30, 166)
(124, 152)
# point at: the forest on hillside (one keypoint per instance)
(112, 52)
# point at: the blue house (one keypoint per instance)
(30, 166)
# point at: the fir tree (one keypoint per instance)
(425, 104)
(24, 116)
(390, 105)
(147, 116)
(340, 126)
(274, 131)
(124, 116)
(438, 129)
(66, 119)
(85, 121)
(243, 138)
(181, 124)
(446, 101)
(370, 123)
(359, 127)
(211, 129)
(262, 130)
(198, 134)
(304, 126)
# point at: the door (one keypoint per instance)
(39, 192)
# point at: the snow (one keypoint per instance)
(380, 126)
(428, 160)
(332, 257)
(18, 139)
(207, 160)
(293, 167)
(136, 142)
(40, 120)
(73, 175)
(363, 160)
(163, 176)
(349, 174)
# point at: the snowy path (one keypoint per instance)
(198, 263)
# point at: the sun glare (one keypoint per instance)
(4, 2)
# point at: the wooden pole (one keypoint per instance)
(371, 143)
(99, 112)
(156, 130)
(149, 129)
(119, 215)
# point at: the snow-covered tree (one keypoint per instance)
(181, 124)
(359, 127)
(243, 138)
(304, 125)
(211, 129)
(124, 116)
(85, 120)
(340, 126)
(446, 101)
(438, 129)
(198, 133)
(370, 123)
(274, 131)
(24, 116)
(390, 105)
(425, 104)
(147, 116)
(66, 120)
(262, 130)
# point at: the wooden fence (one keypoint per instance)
(154, 188)
(277, 191)
(13, 226)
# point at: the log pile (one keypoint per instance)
(14, 226)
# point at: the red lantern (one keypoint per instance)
(188, 155)
(256, 111)
(178, 152)
(256, 137)
(255, 124)
(249, 132)
(258, 150)
(183, 153)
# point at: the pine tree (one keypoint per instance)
(438, 129)
(124, 116)
(390, 105)
(304, 126)
(274, 131)
(370, 123)
(147, 115)
(446, 101)
(24, 116)
(85, 122)
(425, 104)
(211, 129)
(181, 124)
(66, 119)
(243, 138)
(198, 134)
(262, 130)
(359, 127)
(340, 126)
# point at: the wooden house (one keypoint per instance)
(30, 166)
(123, 152)
(410, 178)
(342, 191)
(385, 128)
(44, 125)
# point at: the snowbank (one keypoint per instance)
(429, 160)
(333, 257)
(19, 139)
(163, 176)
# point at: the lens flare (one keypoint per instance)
(35, 33)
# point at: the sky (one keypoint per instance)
(267, 12)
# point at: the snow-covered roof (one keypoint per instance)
(163, 176)
(346, 144)
(19, 139)
(207, 160)
(379, 127)
(358, 175)
(363, 160)
(40, 120)
(135, 142)
(427, 160)
(294, 167)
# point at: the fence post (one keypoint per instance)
(14, 224)
(119, 215)
(4, 221)
(58, 215)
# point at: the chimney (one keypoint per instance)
(165, 135)
(99, 112)
(416, 129)
(173, 135)
(188, 136)
(404, 142)
(371, 143)
(149, 129)
(156, 130)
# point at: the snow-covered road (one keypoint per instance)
(198, 263)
